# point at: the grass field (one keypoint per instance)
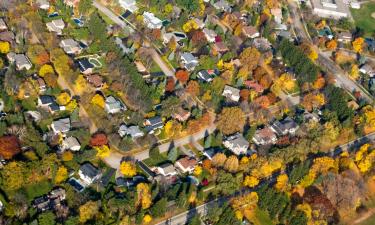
(363, 17)
(369, 221)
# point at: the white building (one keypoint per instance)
(186, 164)
(210, 35)
(130, 5)
(167, 169)
(231, 93)
(43, 4)
(56, 26)
(70, 143)
(330, 8)
(237, 144)
(152, 21)
(88, 173)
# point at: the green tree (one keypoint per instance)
(159, 208)
(47, 218)
(170, 106)
(228, 217)
(172, 154)
(195, 220)
(227, 183)
(84, 6)
(189, 5)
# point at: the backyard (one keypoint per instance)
(365, 17)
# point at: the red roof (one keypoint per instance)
(254, 85)
(187, 162)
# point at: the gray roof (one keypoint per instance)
(237, 140)
(112, 103)
(133, 131)
(188, 58)
(61, 125)
(3, 24)
(89, 170)
(168, 168)
(282, 127)
(71, 142)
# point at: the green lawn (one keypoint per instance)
(363, 18)
(262, 218)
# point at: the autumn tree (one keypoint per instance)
(63, 98)
(102, 151)
(4, 47)
(144, 195)
(251, 181)
(358, 44)
(38, 54)
(61, 175)
(281, 182)
(128, 169)
(231, 120)
(45, 69)
(9, 146)
(98, 139)
(231, 164)
(193, 88)
(98, 100)
(88, 211)
(331, 45)
(198, 38)
(219, 159)
(354, 72)
(249, 58)
(169, 87)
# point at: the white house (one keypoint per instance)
(130, 5)
(189, 61)
(330, 8)
(210, 35)
(167, 169)
(112, 105)
(250, 32)
(284, 127)
(186, 164)
(56, 26)
(70, 143)
(152, 21)
(231, 93)
(237, 144)
(21, 61)
(43, 4)
(132, 131)
(70, 46)
(3, 25)
(61, 126)
(367, 69)
(264, 136)
(89, 173)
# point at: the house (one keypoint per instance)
(54, 107)
(70, 46)
(330, 8)
(210, 153)
(189, 61)
(206, 75)
(220, 47)
(186, 164)
(355, 4)
(277, 15)
(8, 36)
(307, 117)
(231, 93)
(262, 44)
(264, 136)
(152, 21)
(56, 26)
(42, 4)
(151, 124)
(237, 144)
(370, 42)
(3, 25)
(58, 193)
(113, 106)
(133, 131)
(250, 32)
(41, 85)
(41, 203)
(61, 126)
(21, 60)
(254, 86)
(167, 169)
(199, 23)
(284, 127)
(129, 182)
(181, 114)
(344, 36)
(130, 5)
(70, 143)
(45, 100)
(85, 66)
(210, 35)
(71, 3)
(95, 80)
(222, 5)
(49, 201)
(89, 173)
(367, 69)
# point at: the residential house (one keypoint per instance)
(45, 100)
(3, 25)
(262, 44)
(142, 69)
(344, 36)
(49, 201)
(130, 5)
(95, 80)
(237, 144)
(41, 85)
(42, 203)
(56, 26)
(254, 86)
(89, 173)
(70, 46)
(70, 143)
(58, 193)
(206, 75)
(167, 169)
(370, 42)
(330, 8)
(210, 153)
(152, 124)
(231, 93)
(181, 114)
(186, 164)
(355, 4)
(220, 47)
(85, 66)
(264, 136)
(71, 3)
(285, 34)
(129, 182)
(367, 69)
(152, 21)
(307, 117)
(189, 61)
(133, 131)
(277, 15)
(113, 105)
(21, 60)
(250, 32)
(8, 36)
(210, 35)
(61, 126)
(222, 5)
(43, 4)
(285, 126)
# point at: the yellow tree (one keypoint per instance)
(144, 195)
(63, 98)
(368, 119)
(71, 106)
(354, 72)
(98, 100)
(88, 211)
(128, 169)
(147, 218)
(102, 151)
(251, 181)
(61, 174)
(46, 69)
(80, 84)
(358, 44)
(231, 164)
(282, 182)
(219, 159)
(331, 45)
(4, 47)
(198, 170)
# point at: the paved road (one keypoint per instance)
(167, 70)
(182, 218)
(342, 79)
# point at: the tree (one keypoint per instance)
(88, 211)
(144, 195)
(251, 181)
(226, 183)
(63, 98)
(193, 88)
(250, 58)
(231, 164)
(172, 154)
(38, 54)
(231, 120)
(331, 45)
(219, 159)
(102, 151)
(358, 44)
(159, 208)
(147, 219)
(198, 38)
(354, 72)
(282, 182)
(198, 170)
(228, 217)
(51, 79)
(98, 139)
(128, 169)
(61, 174)
(13, 175)
(84, 6)
(4, 47)
(47, 218)
(46, 69)
(169, 87)
(337, 102)
(98, 100)
(169, 106)
(182, 76)
(67, 156)
(9, 146)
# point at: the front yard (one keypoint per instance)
(364, 19)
